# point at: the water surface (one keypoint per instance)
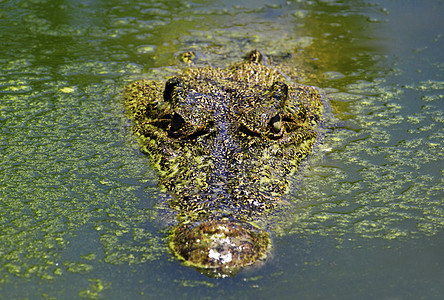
(77, 199)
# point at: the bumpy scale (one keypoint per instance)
(224, 142)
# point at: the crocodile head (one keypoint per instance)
(224, 142)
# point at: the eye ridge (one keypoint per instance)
(173, 86)
(244, 129)
(196, 134)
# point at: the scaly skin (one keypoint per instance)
(224, 142)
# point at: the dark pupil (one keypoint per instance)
(176, 122)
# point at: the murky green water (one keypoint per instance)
(77, 198)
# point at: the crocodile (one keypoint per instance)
(224, 143)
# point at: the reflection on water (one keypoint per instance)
(77, 197)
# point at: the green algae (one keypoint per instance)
(195, 283)
(94, 289)
(61, 117)
(59, 176)
(384, 185)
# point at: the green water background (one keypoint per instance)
(77, 198)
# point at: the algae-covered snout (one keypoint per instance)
(220, 248)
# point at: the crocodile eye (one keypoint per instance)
(176, 122)
(276, 123)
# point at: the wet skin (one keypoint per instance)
(224, 143)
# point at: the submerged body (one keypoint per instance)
(224, 143)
